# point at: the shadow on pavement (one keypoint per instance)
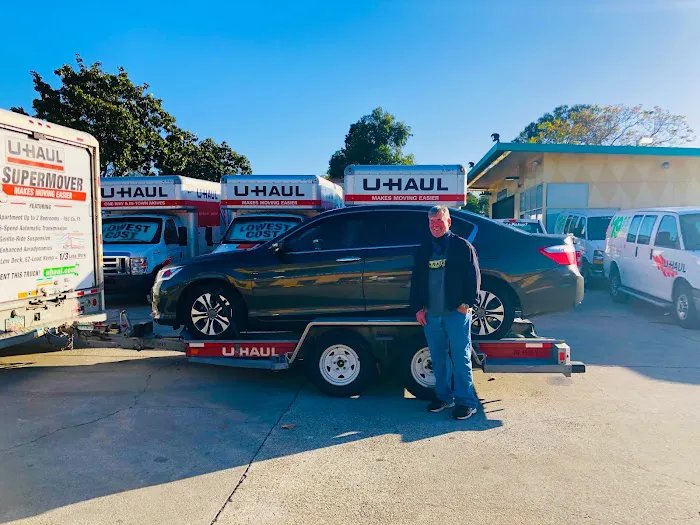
(75, 433)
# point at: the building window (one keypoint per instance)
(531, 203)
(501, 194)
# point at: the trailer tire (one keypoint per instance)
(416, 371)
(204, 299)
(340, 364)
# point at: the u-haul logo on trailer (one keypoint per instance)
(249, 351)
(134, 192)
(410, 184)
(259, 191)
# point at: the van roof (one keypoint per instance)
(600, 212)
(680, 210)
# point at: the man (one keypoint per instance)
(444, 286)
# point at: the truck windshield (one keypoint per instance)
(597, 227)
(125, 230)
(690, 228)
(258, 229)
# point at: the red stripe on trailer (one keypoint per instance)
(516, 349)
(208, 213)
(271, 202)
(406, 197)
(253, 349)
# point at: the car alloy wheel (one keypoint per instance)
(422, 368)
(339, 365)
(489, 314)
(211, 314)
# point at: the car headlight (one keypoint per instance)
(168, 273)
(139, 265)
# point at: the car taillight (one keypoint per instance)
(564, 254)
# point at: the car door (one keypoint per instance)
(318, 272)
(665, 256)
(642, 255)
(389, 264)
(172, 244)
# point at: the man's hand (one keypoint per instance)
(463, 309)
(420, 317)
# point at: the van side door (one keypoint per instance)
(642, 255)
(172, 243)
(666, 256)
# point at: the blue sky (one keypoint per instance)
(282, 81)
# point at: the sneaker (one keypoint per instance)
(463, 412)
(439, 406)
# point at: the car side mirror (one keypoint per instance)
(209, 236)
(182, 235)
(279, 249)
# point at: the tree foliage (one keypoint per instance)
(618, 125)
(134, 131)
(377, 138)
(476, 204)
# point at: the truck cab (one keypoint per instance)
(151, 222)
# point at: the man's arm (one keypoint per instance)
(472, 280)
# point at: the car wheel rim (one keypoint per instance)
(614, 285)
(682, 307)
(339, 365)
(422, 368)
(489, 314)
(211, 314)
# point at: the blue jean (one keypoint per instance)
(450, 335)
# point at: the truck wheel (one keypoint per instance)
(340, 364)
(209, 312)
(493, 315)
(416, 371)
(684, 307)
(615, 283)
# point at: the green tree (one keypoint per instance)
(618, 125)
(377, 138)
(476, 204)
(134, 131)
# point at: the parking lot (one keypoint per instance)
(103, 435)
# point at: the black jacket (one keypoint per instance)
(462, 274)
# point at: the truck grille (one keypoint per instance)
(115, 265)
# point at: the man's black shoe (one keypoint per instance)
(439, 406)
(463, 412)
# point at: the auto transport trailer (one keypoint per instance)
(343, 355)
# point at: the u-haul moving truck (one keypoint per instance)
(258, 208)
(49, 228)
(427, 184)
(150, 222)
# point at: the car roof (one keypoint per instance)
(534, 221)
(398, 207)
(680, 210)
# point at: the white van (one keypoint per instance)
(654, 255)
(150, 222)
(588, 227)
(258, 208)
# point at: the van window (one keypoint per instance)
(645, 229)
(567, 224)
(170, 234)
(580, 229)
(597, 226)
(634, 227)
(690, 227)
(667, 236)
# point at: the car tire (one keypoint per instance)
(202, 303)
(493, 315)
(615, 283)
(683, 306)
(416, 371)
(340, 364)
(587, 274)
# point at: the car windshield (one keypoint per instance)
(131, 230)
(258, 229)
(690, 228)
(597, 227)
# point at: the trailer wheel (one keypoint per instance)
(340, 364)
(209, 312)
(416, 371)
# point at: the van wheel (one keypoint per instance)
(416, 371)
(494, 312)
(615, 284)
(340, 364)
(684, 307)
(209, 312)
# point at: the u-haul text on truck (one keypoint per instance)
(150, 222)
(49, 228)
(258, 208)
(427, 184)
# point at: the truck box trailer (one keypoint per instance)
(50, 253)
(258, 208)
(150, 222)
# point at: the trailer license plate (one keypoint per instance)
(14, 324)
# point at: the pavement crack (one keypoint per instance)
(96, 420)
(257, 452)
